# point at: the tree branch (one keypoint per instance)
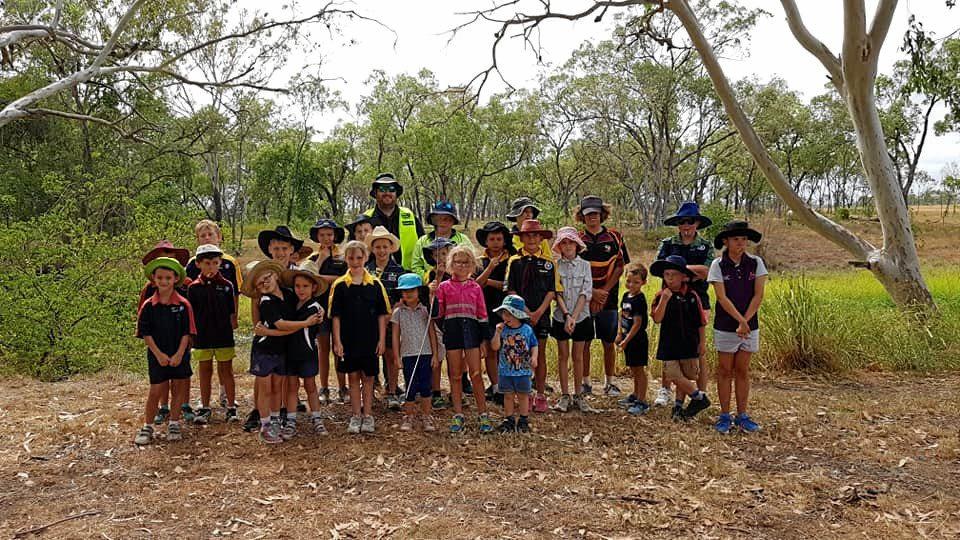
(813, 45)
(880, 26)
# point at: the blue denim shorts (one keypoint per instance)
(514, 384)
(419, 381)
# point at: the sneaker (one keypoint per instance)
(428, 424)
(231, 415)
(611, 390)
(628, 401)
(563, 405)
(203, 416)
(547, 389)
(724, 423)
(301, 407)
(639, 408)
(508, 425)
(173, 432)
(343, 396)
(324, 396)
(283, 415)
(393, 403)
(523, 425)
(354, 425)
(581, 403)
(161, 417)
(663, 397)
(677, 413)
(288, 430)
(187, 411)
(144, 436)
(270, 433)
(407, 424)
(439, 403)
(467, 385)
(456, 423)
(252, 422)
(367, 424)
(223, 397)
(486, 424)
(695, 407)
(318, 427)
(488, 393)
(744, 422)
(540, 404)
(586, 388)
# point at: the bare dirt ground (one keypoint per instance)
(872, 455)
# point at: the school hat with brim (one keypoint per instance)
(385, 179)
(443, 208)
(591, 204)
(514, 305)
(568, 233)
(533, 226)
(688, 210)
(305, 252)
(432, 247)
(492, 227)
(409, 281)
(208, 250)
(309, 270)
(672, 262)
(325, 223)
(381, 233)
(254, 270)
(519, 205)
(736, 228)
(282, 232)
(182, 255)
(165, 262)
(362, 218)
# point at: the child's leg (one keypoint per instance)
(323, 354)
(741, 378)
(455, 372)
(277, 387)
(724, 379)
(156, 393)
(426, 408)
(524, 400)
(313, 399)
(490, 361)
(392, 372)
(262, 387)
(508, 404)
(540, 374)
(291, 394)
(179, 394)
(367, 381)
(639, 382)
(703, 376)
(225, 376)
(436, 377)
(206, 377)
(563, 355)
(355, 402)
(472, 357)
(579, 355)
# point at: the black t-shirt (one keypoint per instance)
(630, 307)
(333, 265)
(680, 327)
(359, 306)
(388, 277)
(532, 278)
(228, 269)
(214, 304)
(302, 345)
(272, 309)
(493, 296)
(165, 323)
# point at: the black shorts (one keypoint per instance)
(542, 329)
(605, 325)
(461, 333)
(367, 366)
(161, 374)
(264, 364)
(582, 331)
(487, 329)
(302, 367)
(636, 353)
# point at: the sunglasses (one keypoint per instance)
(687, 221)
(389, 188)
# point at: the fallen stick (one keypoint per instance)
(41, 528)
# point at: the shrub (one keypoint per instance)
(799, 335)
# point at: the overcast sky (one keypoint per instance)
(422, 26)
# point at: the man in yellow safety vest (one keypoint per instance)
(399, 220)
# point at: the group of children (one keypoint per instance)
(491, 311)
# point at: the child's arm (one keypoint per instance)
(758, 289)
(484, 278)
(535, 316)
(702, 347)
(495, 340)
(395, 343)
(161, 357)
(382, 338)
(634, 330)
(181, 350)
(743, 327)
(660, 305)
(533, 356)
(255, 310)
(434, 344)
(337, 345)
(263, 330)
(289, 327)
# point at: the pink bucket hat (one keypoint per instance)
(568, 233)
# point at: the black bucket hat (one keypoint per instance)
(326, 223)
(736, 228)
(592, 204)
(492, 227)
(429, 250)
(688, 210)
(281, 232)
(443, 208)
(385, 179)
(362, 218)
(519, 205)
(672, 262)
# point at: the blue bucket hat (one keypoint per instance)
(443, 208)
(689, 210)
(515, 305)
(672, 262)
(326, 223)
(429, 250)
(408, 281)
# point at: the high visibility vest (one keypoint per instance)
(408, 233)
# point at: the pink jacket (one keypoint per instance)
(461, 299)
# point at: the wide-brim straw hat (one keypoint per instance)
(381, 233)
(307, 269)
(255, 269)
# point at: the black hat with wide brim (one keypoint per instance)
(736, 228)
(362, 218)
(443, 208)
(672, 262)
(492, 227)
(384, 179)
(429, 250)
(282, 232)
(519, 205)
(324, 223)
(688, 210)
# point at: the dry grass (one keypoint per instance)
(875, 455)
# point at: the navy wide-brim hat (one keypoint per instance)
(282, 232)
(690, 210)
(429, 250)
(383, 179)
(326, 223)
(492, 227)
(672, 262)
(736, 228)
(362, 218)
(519, 205)
(443, 208)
